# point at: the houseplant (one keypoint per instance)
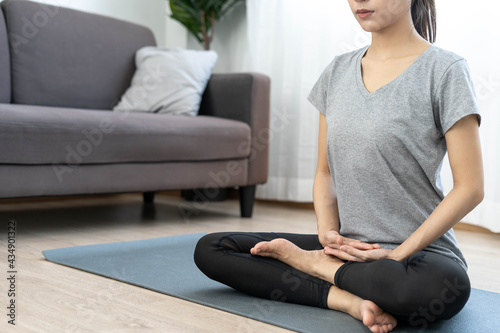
(200, 16)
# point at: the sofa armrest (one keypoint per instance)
(244, 97)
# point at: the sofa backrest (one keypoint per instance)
(68, 58)
(4, 63)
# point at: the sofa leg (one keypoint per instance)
(247, 195)
(149, 197)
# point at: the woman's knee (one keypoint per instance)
(205, 250)
(442, 292)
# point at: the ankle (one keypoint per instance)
(355, 308)
(324, 267)
(344, 301)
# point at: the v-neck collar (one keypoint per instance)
(359, 76)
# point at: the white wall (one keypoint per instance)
(150, 13)
(175, 34)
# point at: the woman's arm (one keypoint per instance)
(464, 152)
(324, 197)
(325, 200)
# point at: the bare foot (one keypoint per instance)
(373, 317)
(315, 263)
(367, 312)
(324, 266)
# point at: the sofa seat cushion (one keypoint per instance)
(49, 135)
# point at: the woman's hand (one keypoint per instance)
(346, 252)
(333, 240)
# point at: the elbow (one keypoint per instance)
(477, 195)
(472, 193)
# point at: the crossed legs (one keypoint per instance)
(293, 268)
(323, 266)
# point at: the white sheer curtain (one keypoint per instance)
(473, 32)
(292, 41)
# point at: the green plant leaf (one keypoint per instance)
(188, 13)
(187, 16)
(185, 9)
(228, 6)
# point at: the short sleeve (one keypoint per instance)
(319, 92)
(455, 96)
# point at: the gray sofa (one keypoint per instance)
(61, 73)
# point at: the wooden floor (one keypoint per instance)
(54, 298)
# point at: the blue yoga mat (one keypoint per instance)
(166, 265)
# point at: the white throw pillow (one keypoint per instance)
(168, 81)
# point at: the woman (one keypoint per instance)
(385, 251)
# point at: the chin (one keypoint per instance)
(371, 26)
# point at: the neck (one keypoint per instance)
(396, 40)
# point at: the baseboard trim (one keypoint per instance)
(473, 228)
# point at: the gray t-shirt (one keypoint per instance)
(385, 148)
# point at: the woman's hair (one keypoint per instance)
(423, 13)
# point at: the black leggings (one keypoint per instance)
(421, 289)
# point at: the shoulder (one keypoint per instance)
(350, 57)
(442, 61)
(444, 55)
(344, 62)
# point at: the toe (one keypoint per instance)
(368, 319)
(263, 249)
(257, 248)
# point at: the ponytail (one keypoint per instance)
(423, 13)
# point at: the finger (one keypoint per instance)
(338, 241)
(333, 246)
(340, 254)
(357, 243)
(360, 245)
(360, 254)
(352, 240)
(334, 238)
(344, 256)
